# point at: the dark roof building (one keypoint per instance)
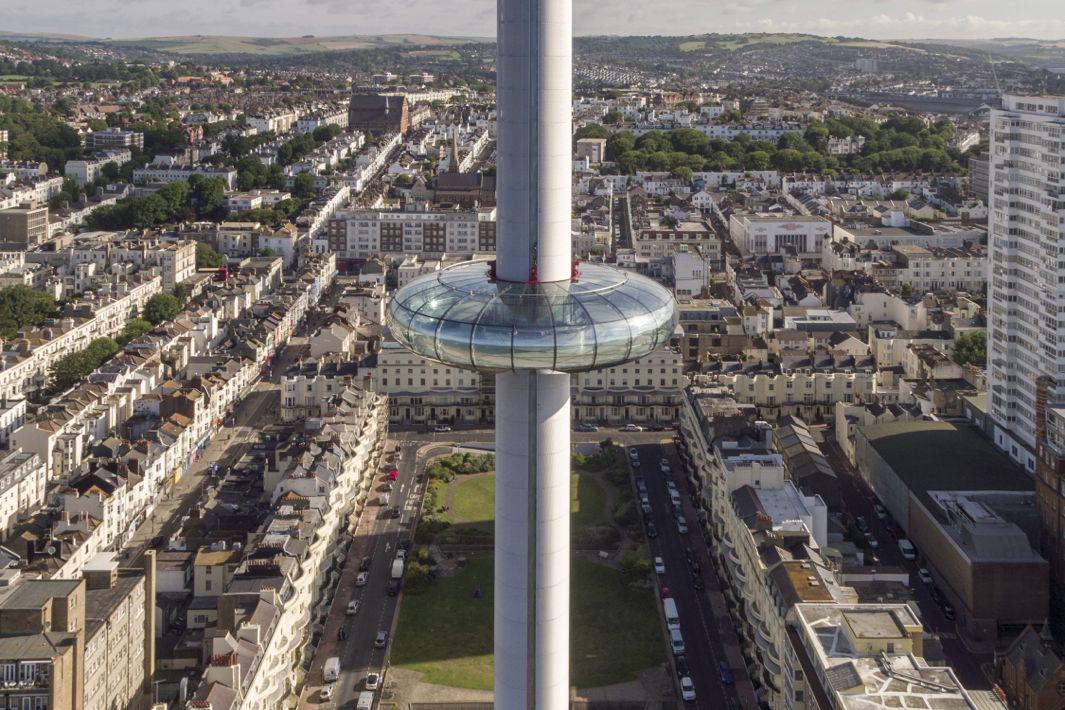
(379, 113)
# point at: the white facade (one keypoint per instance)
(770, 234)
(1027, 230)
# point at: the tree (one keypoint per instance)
(635, 564)
(971, 348)
(135, 328)
(161, 307)
(906, 290)
(73, 367)
(21, 306)
(682, 173)
(267, 251)
(613, 117)
(181, 293)
(303, 186)
(207, 257)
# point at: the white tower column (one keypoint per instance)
(532, 540)
(534, 134)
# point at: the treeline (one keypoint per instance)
(138, 74)
(900, 144)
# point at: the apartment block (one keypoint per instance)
(1025, 230)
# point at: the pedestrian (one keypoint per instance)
(477, 593)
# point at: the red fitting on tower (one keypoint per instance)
(575, 271)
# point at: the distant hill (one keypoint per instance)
(204, 45)
(1047, 53)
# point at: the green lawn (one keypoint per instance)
(446, 634)
(473, 499)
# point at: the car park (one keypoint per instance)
(660, 566)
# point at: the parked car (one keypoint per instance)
(634, 452)
(393, 474)
(588, 427)
(872, 541)
(725, 673)
(396, 512)
(861, 524)
(401, 554)
(697, 584)
(937, 596)
(664, 593)
(342, 633)
(372, 681)
(652, 531)
(632, 427)
(327, 691)
(682, 526)
(441, 428)
(364, 565)
(881, 511)
(683, 668)
(382, 639)
(660, 566)
(948, 612)
(687, 688)
(646, 508)
(924, 575)
(353, 607)
(663, 465)
(362, 579)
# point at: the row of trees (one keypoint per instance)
(900, 144)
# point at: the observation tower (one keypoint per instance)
(532, 317)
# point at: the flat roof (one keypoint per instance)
(939, 456)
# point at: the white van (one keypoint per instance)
(670, 608)
(332, 669)
(907, 549)
(365, 700)
(676, 641)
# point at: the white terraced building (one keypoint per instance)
(1026, 336)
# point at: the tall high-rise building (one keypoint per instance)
(532, 317)
(1026, 295)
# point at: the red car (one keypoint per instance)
(393, 475)
(664, 593)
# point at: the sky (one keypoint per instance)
(887, 19)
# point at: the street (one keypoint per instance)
(377, 536)
(704, 649)
(858, 499)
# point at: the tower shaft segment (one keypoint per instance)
(534, 134)
(532, 542)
